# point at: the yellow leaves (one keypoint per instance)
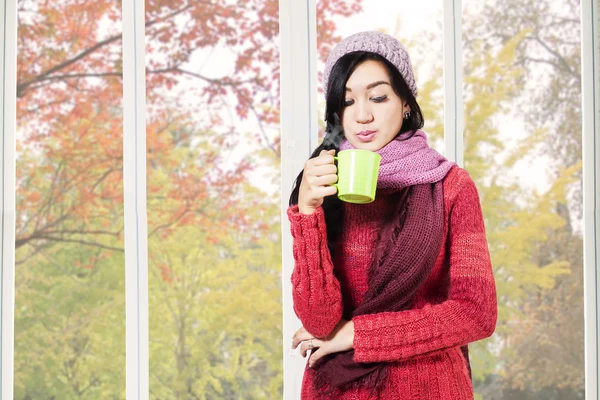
(534, 138)
(221, 314)
(430, 101)
(566, 178)
(489, 84)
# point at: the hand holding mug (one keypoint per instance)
(320, 173)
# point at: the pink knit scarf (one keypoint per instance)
(405, 254)
(408, 162)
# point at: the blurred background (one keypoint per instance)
(213, 187)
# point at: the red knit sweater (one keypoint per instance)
(456, 305)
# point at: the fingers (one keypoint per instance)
(324, 158)
(322, 170)
(306, 346)
(325, 191)
(321, 179)
(324, 180)
(316, 356)
(300, 336)
(319, 175)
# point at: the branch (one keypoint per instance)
(92, 382)
(82, 232)
(81, 75)
(36, 250)
(22, 86)
(207, 79)
(542, 61)
(260, 124)
(235, 89)
(45, 75)
(48, 202)
(558, 56)
(40, 107)
(171, 223)
(83, 242)
(46, 207)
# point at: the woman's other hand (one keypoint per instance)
(341, 339)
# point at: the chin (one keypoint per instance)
(358, 144)
(372, 146)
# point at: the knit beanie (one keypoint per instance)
(375, 42)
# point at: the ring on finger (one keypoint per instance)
(310, 344)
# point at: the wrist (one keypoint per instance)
(304, 209)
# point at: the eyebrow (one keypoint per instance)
(371, 85)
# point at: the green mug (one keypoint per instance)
(358, 171)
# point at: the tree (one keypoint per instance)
(219, 330)
(549, 94)
(70, 293)
(547, 328)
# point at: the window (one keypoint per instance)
(522, 146)
(230, 112)
(214, 234)
(69, 262)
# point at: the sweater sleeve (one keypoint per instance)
(315, 290)
(470, 312)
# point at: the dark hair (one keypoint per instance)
(334, 108)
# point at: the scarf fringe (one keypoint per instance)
(374, 381)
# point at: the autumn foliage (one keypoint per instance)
(212, 71)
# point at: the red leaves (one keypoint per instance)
(166, 273)
(69, 168)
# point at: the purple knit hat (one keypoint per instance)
(374, 42)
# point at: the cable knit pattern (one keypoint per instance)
(317, 297)
(408, 162)
(375, 42)
(456, 305)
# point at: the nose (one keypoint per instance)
(363, 114)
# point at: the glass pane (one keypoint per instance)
(404, 21)
(69, 311)
(522, 94)
(214, 200)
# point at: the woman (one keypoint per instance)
(389, 293)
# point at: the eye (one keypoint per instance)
(379, 99)
(348, 103)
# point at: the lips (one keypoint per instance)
(366, 136)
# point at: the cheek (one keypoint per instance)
(392, 117)
(345, 121)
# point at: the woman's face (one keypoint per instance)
(373, 112)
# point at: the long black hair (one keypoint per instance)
(334, 108)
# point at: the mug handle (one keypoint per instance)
(336, 184)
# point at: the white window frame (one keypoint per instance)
(8, 115)
(137, 368)
(453, 82)
(299, 137)
(590, 67)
